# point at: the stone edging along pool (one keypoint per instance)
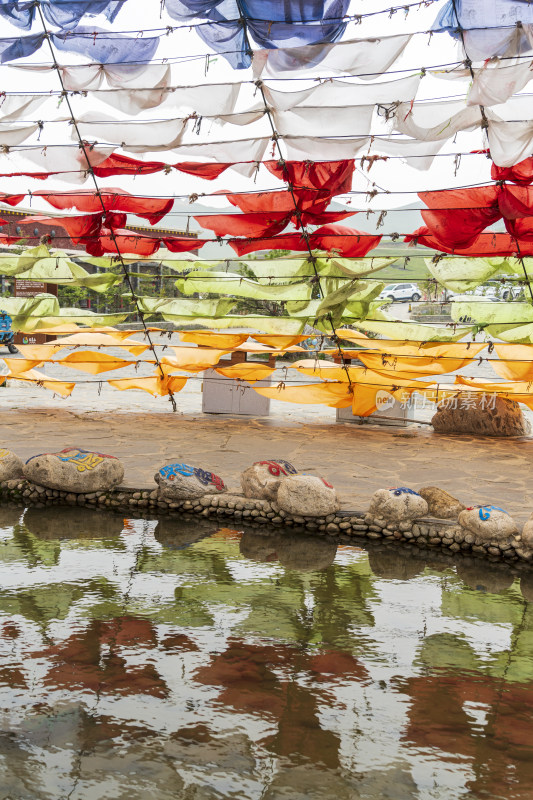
(426, 532)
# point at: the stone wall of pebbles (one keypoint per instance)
(235, 509)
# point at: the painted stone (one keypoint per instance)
(488, 523)
(441, 504)
(307, 496)
(485, 577)
(527, 532)
(10, 465)
(74, 470)
(184, 482)
(494, 416)
(262, 479)
(67, 522)
(397, 505)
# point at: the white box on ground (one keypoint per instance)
(227, 396)
(391, 412)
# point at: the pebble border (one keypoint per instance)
(426, 532)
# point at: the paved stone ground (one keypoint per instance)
(358, 460)
(142, 431)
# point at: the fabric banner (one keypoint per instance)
(271, 23)
(496, 21)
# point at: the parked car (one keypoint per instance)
(485, 291)
(511, 292)
(401, 291)
(506, 291)
(474, 299)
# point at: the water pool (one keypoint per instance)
(158, 660)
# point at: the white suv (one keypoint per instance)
(401, 291)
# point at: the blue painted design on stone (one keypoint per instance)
(171, 470)
(404, 490)
(204, 477)
(484, 512)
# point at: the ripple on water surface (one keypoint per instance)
(168, 659)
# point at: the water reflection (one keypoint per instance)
(177, 534)
(144, 659)
(394, 563)
(299, 552)
(485, 577)
(62, 522)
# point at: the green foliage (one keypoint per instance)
(270, 255)
(110, 301)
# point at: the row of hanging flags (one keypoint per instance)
(311, 108)
(359, 387)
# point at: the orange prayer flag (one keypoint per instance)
(20, 365)
(192, 359)
(90, 339)
(335, 395)
(38, 352)
(151, 384)
(64, 388)
(248, 371)
(280, 341)
(154, 384)
(416, 364)
(213, 339)
(93, 362)
(517, 364)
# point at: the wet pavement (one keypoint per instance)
(357, 459)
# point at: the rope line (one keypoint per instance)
(98, 192)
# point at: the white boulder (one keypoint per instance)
(527, 533)
(307, 496)
(10, 465)
(441, 504)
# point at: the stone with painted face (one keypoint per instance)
(262, 480)
(307, 496)
(10, 465)
(75, 470)
(186, 482)
(488, 524)
(397, 505)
